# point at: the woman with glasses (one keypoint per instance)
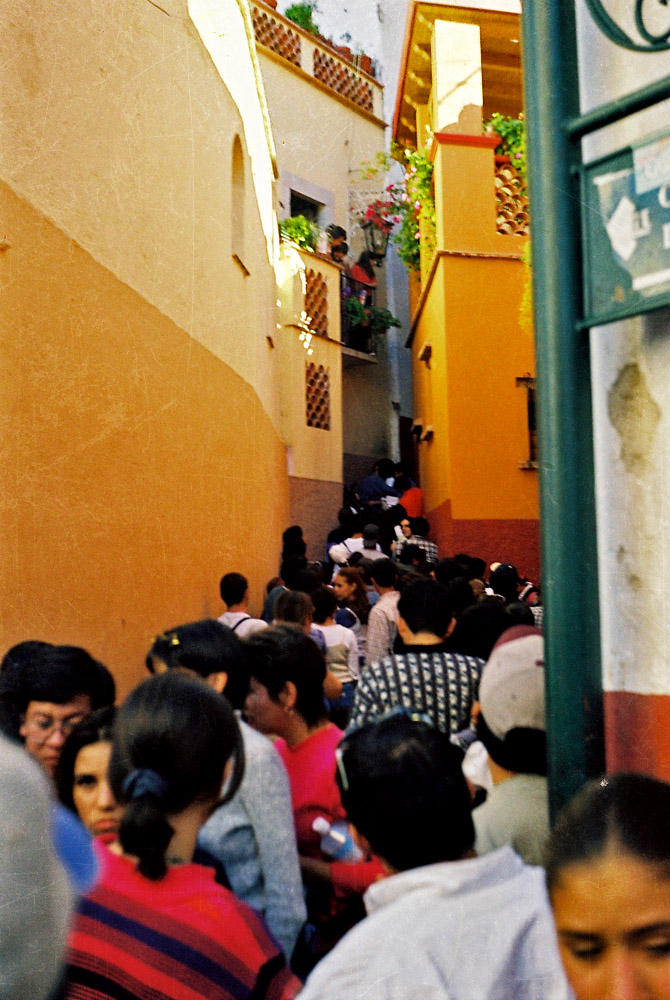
(46, 696)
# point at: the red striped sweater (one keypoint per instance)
(182, 938)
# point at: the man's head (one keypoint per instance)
(370, 536)
(383, 574)
(420, 526)
(505, 580)
(50, 694)
(403, 790)
(511, 695)
(385, 468)
(233, 588)
(424, 607)
(208, 648)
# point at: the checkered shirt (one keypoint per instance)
(441, 685)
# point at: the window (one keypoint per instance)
(238, 203)
(300, 205)
(528, 382)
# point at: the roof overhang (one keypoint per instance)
(499, 22)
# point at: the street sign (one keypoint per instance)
(626, 230)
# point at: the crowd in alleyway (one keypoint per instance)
(344, 797)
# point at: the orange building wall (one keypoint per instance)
(478, 499)
(128, 480)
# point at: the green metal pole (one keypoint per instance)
(567, 507)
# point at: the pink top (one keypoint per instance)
(314, 792)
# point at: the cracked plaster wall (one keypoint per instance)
(631, 409)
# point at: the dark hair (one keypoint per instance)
(334, 232)
(358, 602)
(97, 728)
(293, 606)
(325, 604)
(385, 468)
(383, 572)
(626, 811)
(233, 587)
(419, 526)
(403, 788)
(57, 674)
(479, 628)
(425, 606)
(504, 581)
(278, 655)
(179, 730)
(403, 483)
(293, 544)
(523, 749)
(412, 553)
(461, 595)
(291, 570)
(205, 647)
(23, 652)
(448, 570)
(308, 580)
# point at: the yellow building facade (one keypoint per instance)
(472, 354)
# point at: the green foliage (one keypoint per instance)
(512, 132)
(300, 230)
(379, 320)
(411, 203)
(302, 14)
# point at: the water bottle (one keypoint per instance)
(336, 840)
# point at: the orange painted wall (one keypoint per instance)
(475, 489)
(137, 467)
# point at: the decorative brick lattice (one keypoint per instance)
(511, 200)
(344, 81)
(275, 35)
(316, 302)
(317, 396)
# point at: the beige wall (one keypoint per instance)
(318, 138)
(119, 127)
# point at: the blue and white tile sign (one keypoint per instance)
(626, 231)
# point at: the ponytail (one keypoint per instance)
(172, 741)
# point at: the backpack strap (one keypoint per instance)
(237, 624)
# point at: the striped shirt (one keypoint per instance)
(441, 685)
(183, 937)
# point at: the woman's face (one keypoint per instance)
(613, 922)
(261, 711)
(98, 809)
(343, 588)
(405, 528)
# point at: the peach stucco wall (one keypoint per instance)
(137, 466)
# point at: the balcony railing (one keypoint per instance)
(345, 75)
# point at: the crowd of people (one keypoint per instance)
(345, 797)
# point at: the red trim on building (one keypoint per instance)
(637, 732)
(515, 540)
(464, 139)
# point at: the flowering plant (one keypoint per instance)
(383, 213)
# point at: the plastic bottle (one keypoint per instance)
(336, 840)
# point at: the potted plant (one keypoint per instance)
(302, 14)
(366, 324)
(300, 231)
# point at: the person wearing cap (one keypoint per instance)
(363, 538)
(511, 725)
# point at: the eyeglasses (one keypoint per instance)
(45, 726)
(400, 711)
